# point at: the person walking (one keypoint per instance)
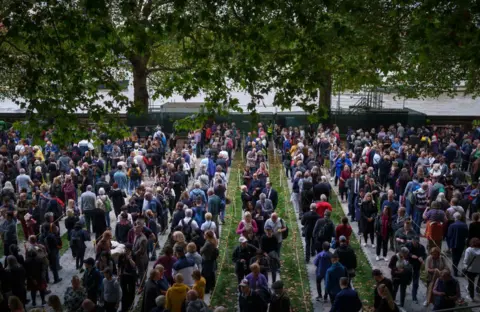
(456, 238)
(309, 220)
(322, 261)
(333, 276)
(74, 296)
(368, 213)
(36, 281)
(381, 281)
(91, 280)
(417, 258)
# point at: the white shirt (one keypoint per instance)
(209, 225)
(129, 218)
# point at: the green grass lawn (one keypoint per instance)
(363, 281)
(293, 271)
(225, 292)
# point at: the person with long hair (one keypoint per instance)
(36, 282)
(368, 213)
(54, 304)
(383, 229)
(387, 304)
(15, 304)
(209, 254)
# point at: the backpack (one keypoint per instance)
(108, 205)
(326, 231)
(216, 254)
(284, 233)
(76, 241)
(134, 174)
(187, 229)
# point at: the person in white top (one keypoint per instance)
(209, 224)
(186, 220)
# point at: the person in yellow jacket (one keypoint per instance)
(200, 284)
(176, 294)
(38, 153)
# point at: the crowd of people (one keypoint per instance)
(393, 181)
(122, 196)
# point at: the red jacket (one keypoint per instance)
(322, 207)
(345, 230)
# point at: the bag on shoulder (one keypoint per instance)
(284, 233)
(108, 205)
(187, 229)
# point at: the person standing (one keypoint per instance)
(139, 251)
(128, 277)
(77, 244)
(111, 292)
(333, 276)
(8, 231)
(91, 280)
(446, 291)
(381, 281)
(176, 294)
(471, 263)
(456, 238)
(368, 213)
(383, 229)
(309, 220)
(420, 201)
(36, 282)
(354, 185)
(209, 254)
(417, 259)
(401, 271)
(87, 205)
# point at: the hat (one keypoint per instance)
(277, 285)
(89, 261)
(268, 227)
(343, 238)
(128, 246)
(242, 240)
(244, 282)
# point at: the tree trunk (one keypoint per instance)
(325, 98)
(140, 90)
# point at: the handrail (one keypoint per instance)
(459, 308)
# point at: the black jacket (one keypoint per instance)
(242, 254)
(151, 292)
(279, 304)
(309, 220)
(321, 188)
(347, 257)
(377, 299)
(254, 302)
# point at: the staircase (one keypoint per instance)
(368, 101)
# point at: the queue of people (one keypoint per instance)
(393, 180)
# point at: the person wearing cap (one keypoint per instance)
(347, 299)
(309, 220)
(333, 276)
(241, 258)
(381, 281)
(91, 280)
(250, 300)
(279, 301)
(347, 256)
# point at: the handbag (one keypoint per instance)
(464, 270)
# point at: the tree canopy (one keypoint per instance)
(54, 54)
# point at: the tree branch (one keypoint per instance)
(158, 68)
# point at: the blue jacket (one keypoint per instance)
(332, 278)
(339, 164)
(457, 235)
(347, 300)
(323, 262)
